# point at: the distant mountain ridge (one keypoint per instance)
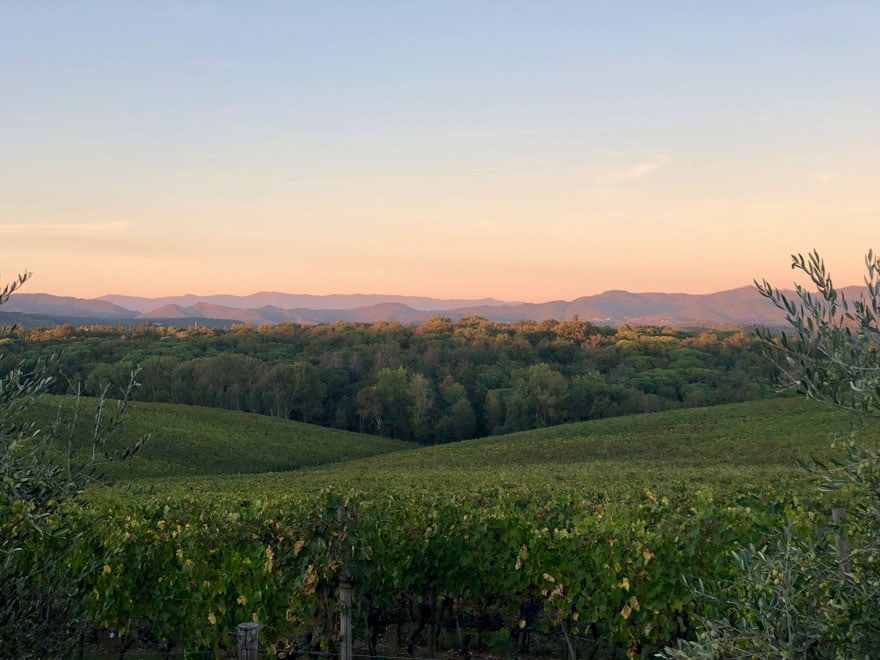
(44, 303)
(296, 301)
(733, 308)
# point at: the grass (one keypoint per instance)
(739, 447)
(186, 441)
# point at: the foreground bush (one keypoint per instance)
(814, 591)
(45, 554)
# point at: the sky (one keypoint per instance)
(526, 151)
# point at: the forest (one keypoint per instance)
(439, 382)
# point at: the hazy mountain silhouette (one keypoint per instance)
(736, 307)
(270, 314)
(296, 301)
(44, 303)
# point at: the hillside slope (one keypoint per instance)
(725, 447)
(189, 440)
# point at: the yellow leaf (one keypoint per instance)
(107, 569)
(624, 584)
(241, 600)
(626, 611)
(648, 555)
(212, 619)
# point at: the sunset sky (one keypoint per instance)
(528, 151)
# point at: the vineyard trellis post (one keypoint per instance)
(345, 652)
(345, 634)
(248, 641)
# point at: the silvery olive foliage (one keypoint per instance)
(831, 353)
(45, 565)
(814, 590)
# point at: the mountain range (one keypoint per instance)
(732, 308)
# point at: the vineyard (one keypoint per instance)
(191, 440)
(578, 541)
(485, 569)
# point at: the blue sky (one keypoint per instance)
(521, 150)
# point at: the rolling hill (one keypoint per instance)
(189, 440)
(757, 442)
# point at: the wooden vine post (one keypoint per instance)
(345, 636)
(248, 641)
(345, 651)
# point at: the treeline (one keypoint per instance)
(438, 382)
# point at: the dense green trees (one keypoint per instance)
(292, 390)
(438, 382)
(393, 392)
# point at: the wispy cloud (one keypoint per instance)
(603, 174)
(541, 164)
(824, 177)
(612, 175)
